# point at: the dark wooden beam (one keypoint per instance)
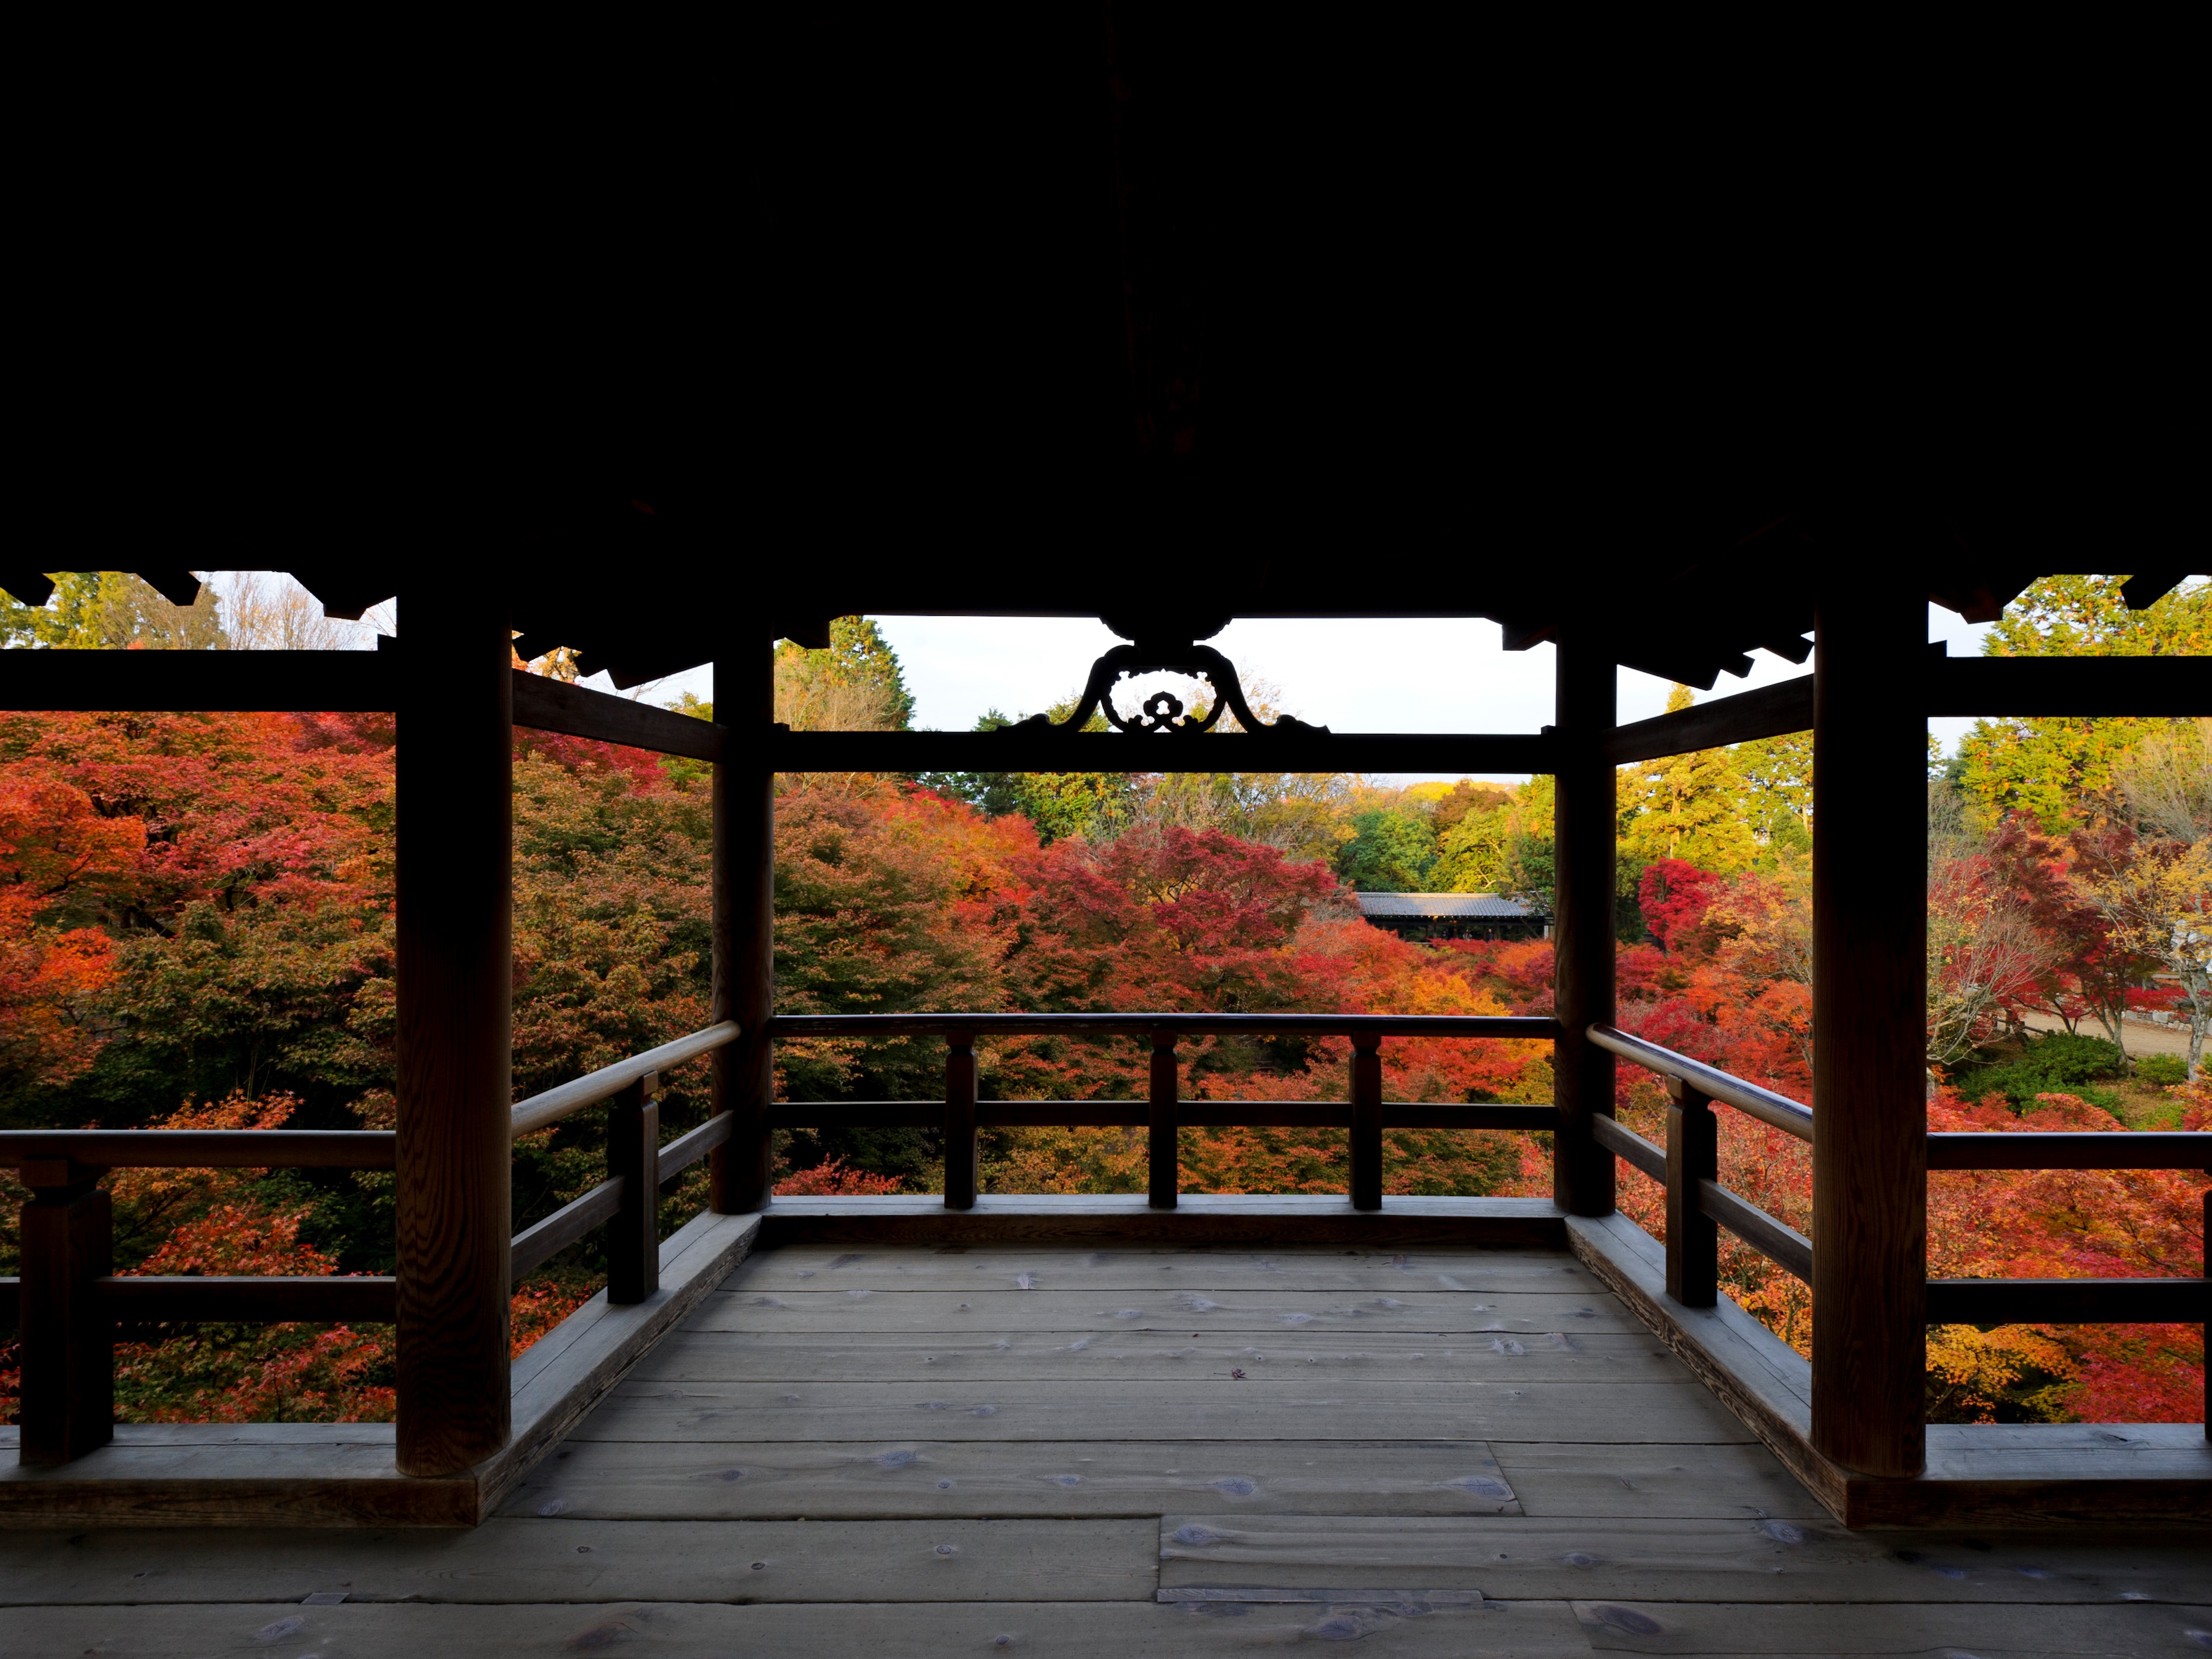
(2068, 1301)
(555, 705)
(341, 681)
(1023, 751)
(538, 1244)
(687, 1149)
(454, 856)
(1770, 711)
(2066, 685)
(151, 1299)
(203, 1148)
(2145, 1150)
(2142, 591)
(1536, 1027)
(1869, 1129)
(1779, 1242)
(1136, 1115)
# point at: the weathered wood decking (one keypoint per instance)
(863, 1448)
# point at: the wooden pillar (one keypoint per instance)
(1165, 1172)
(633, 1158)
(1366, 1123)
(959, 1123)
(1869, 1069)
(744, 1072)
(1692, 1240)
(454, 969)
(1584, 828)
(68, 1391)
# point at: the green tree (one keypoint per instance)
(1777, 775)
(94, 610)
(1475, 853)
(2048, 765)
(1466, 797)
(1302, 815)
(857, 684)
(1063, 805)
(1391, 850)
(1689, 807)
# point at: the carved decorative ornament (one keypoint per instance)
(1166, 645)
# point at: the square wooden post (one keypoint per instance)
(1692, 1240)
(959, 1123)
(68, 1402)
(1870, 1012)
(455, 966)
(1366, 1123)
(1584, 828)
(742, 1168)
(1166, 1171)
(633, 1234)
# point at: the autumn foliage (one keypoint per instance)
(196, 930)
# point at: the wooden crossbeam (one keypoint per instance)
(96, 681)
(248, 1298)
(1769, 711)
(2068, 1301)
(2068, 686)
(1021, 751)
(2144, 1149)
(348, 681)
(553, 705)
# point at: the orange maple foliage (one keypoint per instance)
(52, 843)
(2063, 1224)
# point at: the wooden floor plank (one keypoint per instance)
(1016, 1477)
(594, 1561)
(867, 1631)
(1012, 1355)
(952, 1312)
(1044, 1268)
(1744, 1560)
(1743, 1481)
(2130, 1630)
(1216, 1409)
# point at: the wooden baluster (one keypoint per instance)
(1692, 1240)
(1166, 1171)
(1366, 1123)
(68, 1403)
(959, 1123)
(633, 1158)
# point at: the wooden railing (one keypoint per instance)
(1697, 1204)
(1162, 1112)
(629, 1201)
(68, 1301)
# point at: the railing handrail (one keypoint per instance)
(2036, 1149)
(1539, 1027)
(541, 1110)
(205, 1148)
(1763, 1104)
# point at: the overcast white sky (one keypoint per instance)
(1414, 675)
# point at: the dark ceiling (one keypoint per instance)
(1106, 309)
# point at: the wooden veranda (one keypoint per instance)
(1465, 1289)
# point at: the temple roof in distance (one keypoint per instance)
(1442, 906)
